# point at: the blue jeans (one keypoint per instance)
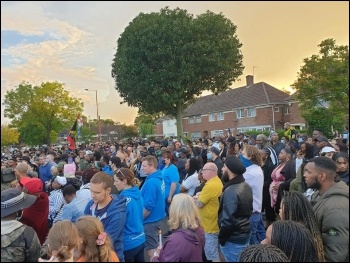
(232, 251)
(258, 228)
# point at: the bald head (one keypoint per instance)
(210, 170)
(22, 168)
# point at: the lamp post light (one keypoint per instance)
(98, 117)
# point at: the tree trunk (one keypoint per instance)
(179, 125)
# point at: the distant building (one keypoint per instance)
(253, 107)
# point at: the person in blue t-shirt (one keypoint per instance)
(171, 179)
(134, 236)
(152, 193)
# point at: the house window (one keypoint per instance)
(277, 109)
(198, 119)
(286, 110)
(195, 135)
(217, 133)
(240, 113)
(220, 116)
(212, 117)
(251, 112)
(191, 120)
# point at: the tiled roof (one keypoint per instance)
(257, 94)
(291, 97)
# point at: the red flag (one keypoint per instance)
(71, 136)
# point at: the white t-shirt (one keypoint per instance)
(191, 183)
(254, 176)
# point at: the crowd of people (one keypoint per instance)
(243, 198)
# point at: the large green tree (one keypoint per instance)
(322, 87)
(39, 112)
(165, 60)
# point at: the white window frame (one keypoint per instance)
(216, 133)
(191, 120)
(212, 117)
(195, 135)
(277, 109)
(220, 116)
(198, 119)
(286, 111)
(240, 114)
(251, 112)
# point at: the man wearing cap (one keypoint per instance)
(236, 206)
(328, 151)
(213, 155)
(321, 142)
(19, 243)
(56, 200)
(36, 215)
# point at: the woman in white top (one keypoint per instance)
(191, 181)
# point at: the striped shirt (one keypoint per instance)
(56, 201)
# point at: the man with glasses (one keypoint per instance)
(208, 202)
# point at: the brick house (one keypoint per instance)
(254, 107)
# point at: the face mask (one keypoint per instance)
(282, 141)
(209, 156)
(177, 154)
(300, 140)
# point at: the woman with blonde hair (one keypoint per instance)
(61, 241)
(94, 244)
(186, 242)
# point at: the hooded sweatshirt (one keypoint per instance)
(332, 215)
(113, 221)
(36, 216)
(19, 243)
(183, 245)
(133, 230)
(152, 192)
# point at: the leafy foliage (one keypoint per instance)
(9, 135)
(165, 60)
(39, 112)
(128, 131)
(322, 87)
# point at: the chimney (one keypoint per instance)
(250, 80)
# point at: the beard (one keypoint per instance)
(225, 177)
(315, 185)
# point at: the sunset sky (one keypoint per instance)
(74, 42)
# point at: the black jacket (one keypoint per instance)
(236, 207)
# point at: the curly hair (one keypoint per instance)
(297, 208)
(89, 229)
(263, 253)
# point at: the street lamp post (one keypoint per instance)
(98, 117)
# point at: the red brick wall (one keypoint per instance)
(263, 117)
(295, 114)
